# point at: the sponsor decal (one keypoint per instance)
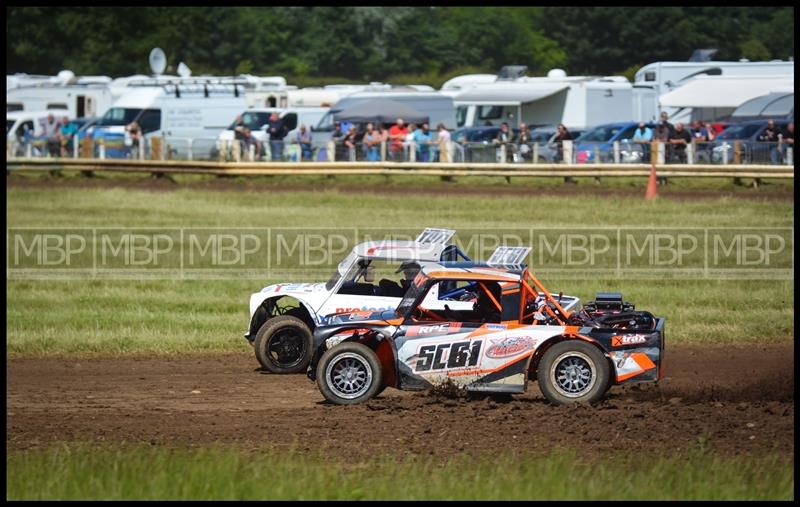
(363, 309)
(359, 315)
(448, 355)
(510, 346)
(495, 326)
(434, 329)
(629, 339)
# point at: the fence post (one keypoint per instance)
(662, 152)
(412, 151)
(331, 152)
(165, 154)
(142, 140)
(566, 152)
(789, 155)
(189, 154)
(102, 150)
(75, 146)
(503, 158)
(725, 148)
(251, 153)
(653, 152)
(737, 152)
(535, 155)
(597, 154)
(690, 149)
(616, 152)
(383, 151)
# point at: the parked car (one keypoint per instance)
(753, 151)
(515, 331)
(475, 144)
(601, 140)
(545, 138)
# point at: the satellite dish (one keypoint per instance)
(158, 61)
(184, 70)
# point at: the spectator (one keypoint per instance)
(443, 138)
(337, 137)
(423, 138)
(250, 140)
(372, 143)
(277, 131)
(239, 135)
(524, 150)
(397, 135)
(351, 143)
(562, 134)
(66, 135)
(770, 135)
(346, 126)
(787, 142)
(409, 140)
(304, 140)
(679, 139)
(663, 133)
(643, 136)
(134, 132)
(50, 130)
(702, 136)
(504, 138)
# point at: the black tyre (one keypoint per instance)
(349, 373)
(573, 371)
(283, 345)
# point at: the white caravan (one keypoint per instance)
(576, 101)
(658, 78)
(78, 97)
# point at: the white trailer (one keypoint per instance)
(82, 96)
(659, 78)
(575, 101)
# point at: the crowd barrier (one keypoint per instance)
(580, 153)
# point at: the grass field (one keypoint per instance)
(225, 473)
(141, 315)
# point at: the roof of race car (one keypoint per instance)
(400, 250)
(472, 270)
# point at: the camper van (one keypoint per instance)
(189, 116)
(23, 127)
(76, 96)
(658, 78)
(576, 101)
(438, 107)
(256, 120)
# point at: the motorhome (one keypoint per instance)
(77, 96)
(656, 79)
(437, 106)
(188, 113)
(576, 101)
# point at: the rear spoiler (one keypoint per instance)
(509, 255)
(439, 236)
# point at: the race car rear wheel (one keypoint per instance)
(283, 345)
(349, 373)
(573, 371)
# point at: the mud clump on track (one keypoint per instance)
(731, 400)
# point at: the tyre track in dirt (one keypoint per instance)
(738, 400)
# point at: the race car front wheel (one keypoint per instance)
(283, 345)
(573, 371)
(349, 373)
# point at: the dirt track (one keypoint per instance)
(768, 192)
(741, 400)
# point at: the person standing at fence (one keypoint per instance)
(351, 143)
(663, 133)
(304, 139)
(524, 150)
(679, 140)
(338, 141)
(503, 138)
(277, 131)
(372, 143)
(67, 134)
(787, 142)
(642, 137)
(397, 135)
(770, 135)
(443, 140)
(50, 131)
(562, 134)
(134, 133)
(239, 136)
(423, 138)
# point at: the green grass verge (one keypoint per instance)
(72, 473)
(74, 317)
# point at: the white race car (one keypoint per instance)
(283, 316)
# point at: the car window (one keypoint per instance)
(600, 134)
(150, 120)
(741, 131)
(461, 115)
(9, 124)
(627, 133)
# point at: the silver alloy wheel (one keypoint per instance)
(348, 375)
(573, 374)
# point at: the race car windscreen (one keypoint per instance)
(416, 290)
(341, 270)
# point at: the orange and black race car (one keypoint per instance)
(515, 331)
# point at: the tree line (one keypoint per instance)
(425, 45)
